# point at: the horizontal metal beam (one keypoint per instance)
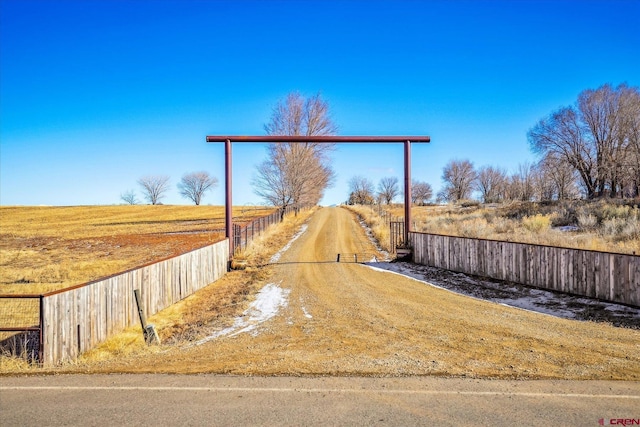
(324, 138)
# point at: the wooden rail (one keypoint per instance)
(607, 276)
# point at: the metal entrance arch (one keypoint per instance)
(228, 140)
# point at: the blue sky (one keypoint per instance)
(95, 94)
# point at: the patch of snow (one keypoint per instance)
(269, 301)
(306, 313)
(276, 257)
(567, 228)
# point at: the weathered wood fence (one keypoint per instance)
(396, 235)
(244, 234)
(74, 320)
(607, 276)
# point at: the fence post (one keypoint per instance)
(41, 339)
(149, 332)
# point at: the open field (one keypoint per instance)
(328, 318)
(48, 248)
(592, 225)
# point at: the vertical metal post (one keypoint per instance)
(407, 190)
(228, 219)
(143, 318)
(41, 343)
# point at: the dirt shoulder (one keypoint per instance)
(345, 319)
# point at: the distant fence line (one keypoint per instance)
(244, 234)
(606, 276)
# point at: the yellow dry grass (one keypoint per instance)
(184, 321)
(497, 223)
(48, 248)
(346, 319)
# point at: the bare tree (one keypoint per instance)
(595, 137)
(557, 179)
(421, 192)
(459, 177)
(154, 187)
(561, 134)
(388, 189)
(129, 197)
(360, 191)
(523, 182)
(297, 174)
(193, 185)
(491, 184)
(629, 133)
(272, 184)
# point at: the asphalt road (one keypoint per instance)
(107, 400)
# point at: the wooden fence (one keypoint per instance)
(607, 276)
(74, 320)
(396, 236)
(244, 234)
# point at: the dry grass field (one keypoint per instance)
(348, 319)
(48, 248)
(592, 225)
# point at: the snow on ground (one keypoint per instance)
(306, 313)
(276, 257)
(268, 302)
(515, 295)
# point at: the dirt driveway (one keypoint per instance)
(315, 316)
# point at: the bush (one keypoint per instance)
(503, 226)
(621, 228)
(537, 223)
(587, 221)
(631, 230)
(564, 214)
(469, 203)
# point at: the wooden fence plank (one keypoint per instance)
(82, 317)
(607, 276)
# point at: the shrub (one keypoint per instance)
(587, 221)
(537, 223)
(503, 226)
(612, 227)
(564, 214)
(631, 229)
(469, 203)
(621, 228)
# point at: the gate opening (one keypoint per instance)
(228, 140)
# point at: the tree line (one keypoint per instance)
(590, 149)
(154, 188)
(363, 192)
(492, 184)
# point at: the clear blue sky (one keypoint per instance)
(95, 94)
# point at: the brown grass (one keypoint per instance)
(48, 248)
